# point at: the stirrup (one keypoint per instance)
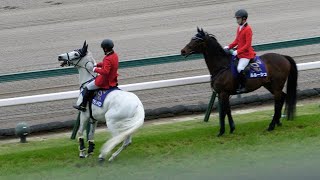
(80, 108)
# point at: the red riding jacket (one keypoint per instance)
(243, 41)
(108, 71)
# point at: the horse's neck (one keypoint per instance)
(216, 63)
(215, 57)
(84, 76)
(86, 73)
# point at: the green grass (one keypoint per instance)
(185, 150)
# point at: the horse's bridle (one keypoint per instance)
(69, 62)
(194, 38)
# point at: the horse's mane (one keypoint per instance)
(90, 56)
(215, 55)
(215, 49)
(213, 44)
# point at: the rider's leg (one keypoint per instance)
(243, 62)
(87, 92)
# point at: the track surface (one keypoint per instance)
(33, 33)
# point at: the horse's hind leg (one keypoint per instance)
(279, 98)
(128, 140)
(125, 144)
(109, 145)
(283, 98)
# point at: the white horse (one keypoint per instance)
(122, 111)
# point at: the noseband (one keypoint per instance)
(69, 61)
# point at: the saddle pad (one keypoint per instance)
(255, 69)
(101, 95)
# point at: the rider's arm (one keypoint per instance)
(99, 64)
(105, 68)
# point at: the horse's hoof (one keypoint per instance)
(101, 161)
(127, 144)
(279, 124)
(270, 129)
(220, 134)
(88, 155)
(111, 159)
(232, 130)
(82, 154)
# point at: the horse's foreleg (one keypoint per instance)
(230, 119)
(82, 148)
(91, 145)
(278, 103)
(223, 102)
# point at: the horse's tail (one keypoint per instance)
(291, 98)
(134, 123)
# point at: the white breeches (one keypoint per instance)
(92, 86)
(243, 62)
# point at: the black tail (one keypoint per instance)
(291, 98)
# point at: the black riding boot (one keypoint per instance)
(242, 82)
(86, 97)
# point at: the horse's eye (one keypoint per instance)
(76, 54)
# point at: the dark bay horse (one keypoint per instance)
(280, 69)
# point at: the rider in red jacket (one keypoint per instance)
(244, 51)
(107, 73)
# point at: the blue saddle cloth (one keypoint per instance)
(257, 68)
(101, 94)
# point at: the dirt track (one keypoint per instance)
(33, 33)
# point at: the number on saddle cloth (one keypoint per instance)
(255, 69)
(101, 94)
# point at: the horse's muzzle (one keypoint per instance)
(63, 61)
(185, 53)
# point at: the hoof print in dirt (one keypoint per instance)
(53, 3)
(10, 7)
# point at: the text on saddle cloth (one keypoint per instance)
(255, 69)
(101, 94)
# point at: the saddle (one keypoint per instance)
(97, 98)
(255, 69)
(100, 95)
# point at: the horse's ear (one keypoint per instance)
(198, 29)
(85, 47)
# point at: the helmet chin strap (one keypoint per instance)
(106, 52)
(243, 21)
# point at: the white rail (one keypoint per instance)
(128, 87)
